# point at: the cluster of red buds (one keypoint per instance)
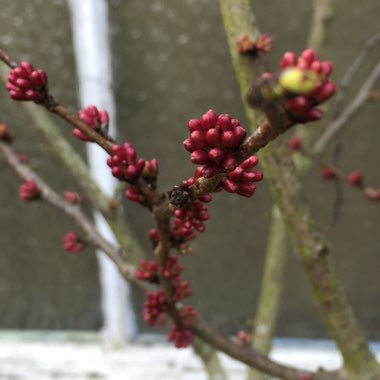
(212, 142)
(245, 45)
(156, 303)
(25, 83)
(29, 191)
(306, 80)
(72, 197)
(124, 163)
(181, 290)
(180, 333)
(148, 271)
(94, 118)
(155, 307)
(243, 338)
(149, 173)
(72, 243)
(189, 219)
(171, 268)
(242, 179)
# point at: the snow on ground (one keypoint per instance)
(39, 355)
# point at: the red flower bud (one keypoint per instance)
(294, 143)
(209, 120)
(210, 170)
(229, 163)
(72, 243)
(355, 178)
(298, 105)
(328, 173)
(198, 139)
(216, 155)
(225, 122)
(289, 59)
(199, 157)
(212, 137)
(72, 197)
(194, 125)
(29, 191)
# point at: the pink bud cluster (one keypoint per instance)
(94, 118)
(124, 163)
(72, 243)
(171, 268)
(189, 219)
(156, 303)
(355, 178)
(147, 271)
(242, 179)
(155, 307)
(245, 45)
(181, 290)
(180, 334)
(302, 108)
(29, 191)
(126, 166)
(72, 197)
(25, 83)
(212, 142)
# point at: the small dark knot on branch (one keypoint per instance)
(178, 197)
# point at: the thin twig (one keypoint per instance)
(372, 43)
(54, 199)
(347, 115)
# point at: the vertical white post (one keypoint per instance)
(93, 60)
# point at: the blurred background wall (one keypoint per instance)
(171, 64)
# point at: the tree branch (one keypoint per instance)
(201, 329)
(349, 112)
(310, 244)
(271, 289)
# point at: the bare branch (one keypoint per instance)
(347, 115)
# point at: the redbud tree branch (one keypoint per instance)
(73, 211)
(271, 288)
(275, 255)
(61, 148)
(276, 251)
(310, 245)
(162, 211)
(201, 329)
(349, 112)
(321, 16)
(355, 66)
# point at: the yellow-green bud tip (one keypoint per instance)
(298, 81)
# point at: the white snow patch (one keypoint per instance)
(79, 356)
